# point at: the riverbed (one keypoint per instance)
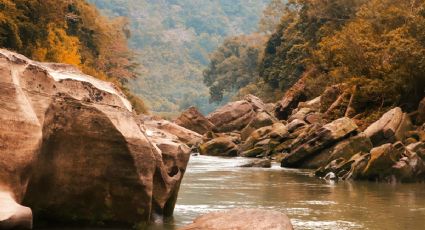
(215, 184)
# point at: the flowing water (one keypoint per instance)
(213, 184)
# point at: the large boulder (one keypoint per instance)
(242, 219)
(318, 140)
(193, 120)
(391, 127)
(220, 146)
(236, 115)
(72, 150)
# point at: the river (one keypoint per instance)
(214, 184)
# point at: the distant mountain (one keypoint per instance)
(173, 39)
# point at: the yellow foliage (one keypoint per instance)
(62, 47)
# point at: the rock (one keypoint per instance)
(391, 127)
(259, 141)
(270, 107)
(13, 215)
(261, 163)
(72, 149)
(256, 102)
(313, 118)
(290, 101)
(346, 169)
(421, 113)
(381, 161)
(295, 124)
(186, 136)
(314, 104)
(418, 148)
(193, 120)
(233, 116)
(220, 146)
(300, 114)
(262, 119)
(344, 149)
(242, 219)
(257, 151)
(410, 168)
(255, 137)
(320, 139)
(279, 131)
(331, 177)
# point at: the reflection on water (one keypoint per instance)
(213, 184)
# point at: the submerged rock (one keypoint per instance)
(73, 151)
(242, 219)
(260, 163)
(193, 120)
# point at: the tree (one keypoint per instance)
(271, 16)
(234, 65)
(304, 24)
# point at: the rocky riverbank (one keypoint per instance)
(320, 134)
(73, 150)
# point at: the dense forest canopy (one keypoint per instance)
(173, 40)
(374, 49)
(71, 32)
(374, 46)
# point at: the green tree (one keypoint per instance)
(234, 65)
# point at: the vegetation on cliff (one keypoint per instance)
(72, 32)
(373, 49)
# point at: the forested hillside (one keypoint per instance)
(72, 32)
(374, 50)
(173, 40)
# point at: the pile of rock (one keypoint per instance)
(318, 134)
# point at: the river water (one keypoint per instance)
(213, 184)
